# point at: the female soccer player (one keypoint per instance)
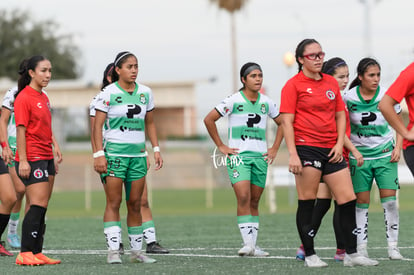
(374, 138)
(248, 155)
(403, 87)
(338, 68)
(34, 156)
(125, 107)
(8, 140)
(149, 232)
(313, 121)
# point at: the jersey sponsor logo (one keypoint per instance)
(133, 109)
(330, 95)
(38, 174)
(252, 120)
(368, 117)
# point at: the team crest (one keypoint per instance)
(38, 174)
(330, 95)
(263, 109)
(236, 174)
(143, 99)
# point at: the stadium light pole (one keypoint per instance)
(368, 4)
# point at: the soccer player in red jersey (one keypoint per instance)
(34, 156)
(403, 87)
(313, 121)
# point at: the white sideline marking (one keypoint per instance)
(178, 254)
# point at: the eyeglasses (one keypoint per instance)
(313, 56)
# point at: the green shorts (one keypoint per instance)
(126, 168)
(382, 170)
(253, 169)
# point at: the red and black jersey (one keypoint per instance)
(314, 104)
(403, 87)
(32, 110)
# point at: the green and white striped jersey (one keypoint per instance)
(8, 102)
(370, 132)
(124, 128)
(247, 121)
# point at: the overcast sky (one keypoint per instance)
(181, 40)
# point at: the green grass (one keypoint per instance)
(205, 240)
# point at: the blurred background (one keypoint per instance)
(189, 53)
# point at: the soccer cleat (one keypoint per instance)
(46, 259)
(394, 253)
(27, 258)
(246, 250)
(3, 250)
(258, 252)
(314, 261)
(13, 240)
(340, 255)
(356, 259)
(362, 250)
(300, 253)
(113, 257)
(156, 248)
(121, 249)
(138, 257)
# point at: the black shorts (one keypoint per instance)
(317, 157)
(409, 158)
(39, 171)
(3, 167)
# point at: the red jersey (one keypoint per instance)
(32, 110)
(402, 87)
(314, 104)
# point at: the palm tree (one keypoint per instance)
(232, 6)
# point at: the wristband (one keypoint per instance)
(98, 154)
(156, 149)
(3, 144)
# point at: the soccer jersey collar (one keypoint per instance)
(133, 93)
(245, 98)
(363, 100)
(304, 77)
(32, 91)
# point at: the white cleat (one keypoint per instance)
(314, 261)
(362, 250)
(258, 252)
(356, 259)
(246, 250)
(113, 257)
(394, 253)
(138, 256)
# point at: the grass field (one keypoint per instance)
(205, 240)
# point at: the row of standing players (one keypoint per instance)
(37, 178)
(313, 121)
(317, 123)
